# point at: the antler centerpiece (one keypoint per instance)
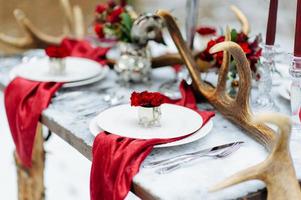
(235, 109)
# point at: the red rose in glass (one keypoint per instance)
(57, 52)
(147, 99)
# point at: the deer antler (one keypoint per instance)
(237, 110)
(245, 26)
(277, 170)
(35, 38)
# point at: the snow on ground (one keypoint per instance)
(66, 174)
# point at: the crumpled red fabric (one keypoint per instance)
(83, 49)
(25, 100)
(116, 159)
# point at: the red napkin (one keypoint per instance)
(116, 160)
(82, 48)
(25, 100)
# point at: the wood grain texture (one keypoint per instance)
(31, 180)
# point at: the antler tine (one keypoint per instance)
(277, 170)
(79, 26)
(243, 68)
(74, 18)
(245, 26)
(223, 71)
(68, 12)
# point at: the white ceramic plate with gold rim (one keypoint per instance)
(77, 69)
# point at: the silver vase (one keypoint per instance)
(134, 64)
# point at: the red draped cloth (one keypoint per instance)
(116, 159)
(25, 100)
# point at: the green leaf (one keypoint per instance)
(233, 35)
(126, 21)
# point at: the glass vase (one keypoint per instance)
(57, 66)
(149, 116)
(295, 92)
(264, 101)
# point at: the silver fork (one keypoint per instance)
(177, 164)
(206, 152)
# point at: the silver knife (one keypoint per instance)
(200, 152)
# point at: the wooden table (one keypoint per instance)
(190, 182)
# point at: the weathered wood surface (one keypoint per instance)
(63, 119)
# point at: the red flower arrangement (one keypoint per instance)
(147, 99)
(57, 51)
(112, 21)
(251, 49)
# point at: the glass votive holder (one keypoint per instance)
(149, 116)
(295, 93)
(57, 66)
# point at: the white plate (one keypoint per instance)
(77, 69)
(104, 71)
(176, 121)
(94, 129)
(102, 75)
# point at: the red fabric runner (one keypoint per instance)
(116, 160)
(25, 100)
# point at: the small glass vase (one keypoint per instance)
(149, 116)
(57, 66)
(264, 101)
(295, 93)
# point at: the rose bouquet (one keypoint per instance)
(113, 21)
(250, 47)
(149, 110)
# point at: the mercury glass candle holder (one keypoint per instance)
(149, 116)
(57, 66)
(264, 101)
(295, 92)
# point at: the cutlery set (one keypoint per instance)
(170, 164)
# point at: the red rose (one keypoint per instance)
(147, 99)
(100, 8)
(57, 51)
(241, 37)
(98, 28)
(245, 47)
(206, 31)
(114, 16)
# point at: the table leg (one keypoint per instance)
(31, 180)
